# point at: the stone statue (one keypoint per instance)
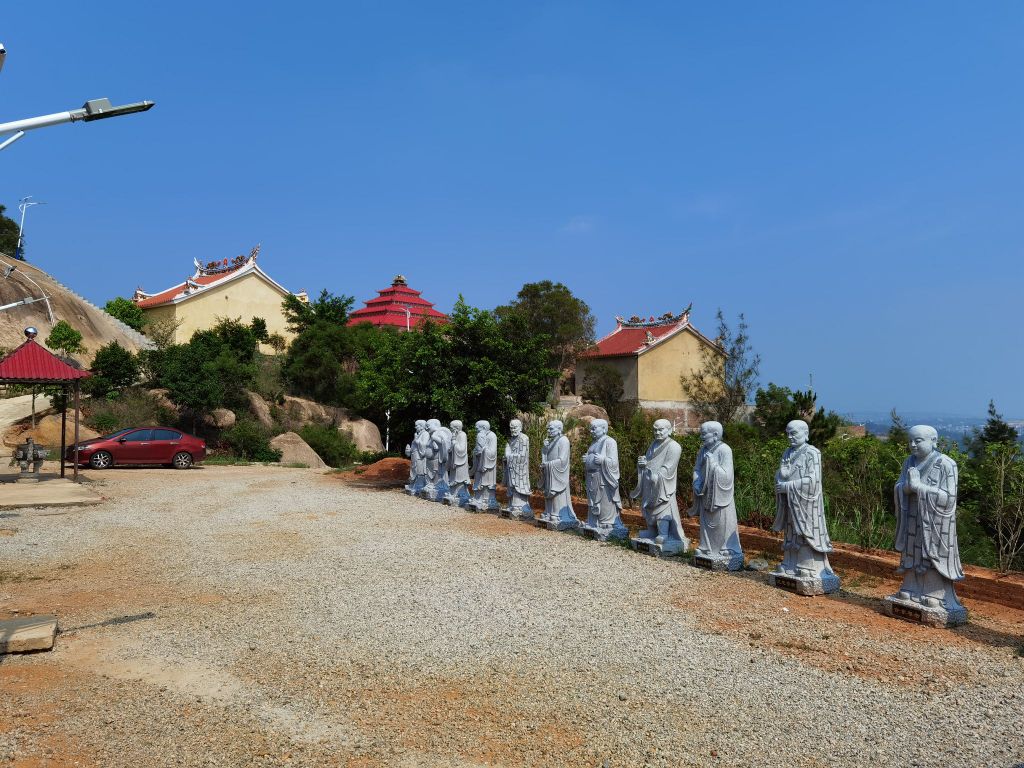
(417, 452)
(517, 473)
(926, 535)
(438, 448)
(604, 504)
(458, 467)
(485, 463)
(713, 484)
(800, 515)
(554, 479)
(657, 471)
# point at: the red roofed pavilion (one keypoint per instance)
(32, 364)
(398, 306)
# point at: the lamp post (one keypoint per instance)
(96, 109)
(23, 205)
(408, 318)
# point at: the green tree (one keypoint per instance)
(720, 388)
(315, 364)
(1001, 477)
(65, 339)
(8, 233)
(258, 326)
(550, 310)
(127, 311)
(899, 432)
(603, 385)
(776, 406)
(328, 308)
(114, 368)
(995, 432)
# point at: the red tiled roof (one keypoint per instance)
(165, 297)
(389, 308)
(31, 363)
(634, 336)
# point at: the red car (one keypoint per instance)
(143, 445)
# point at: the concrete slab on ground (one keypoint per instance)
(49, 492)
(31, 633)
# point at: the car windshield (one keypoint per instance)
(115, 434)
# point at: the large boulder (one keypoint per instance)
(295, 450)
(260, 409)
(162, 399)
(299, 412)
(221, 418)
(47, 433)
(364, 433)
(587, 412)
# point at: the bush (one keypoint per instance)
(132, 408)
(250, 440)
(332, 445)
(127, 311)
(114, 368)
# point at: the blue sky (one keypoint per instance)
(851, 176)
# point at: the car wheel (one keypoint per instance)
(101, 460)
(182, 460)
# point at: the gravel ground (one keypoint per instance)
(240, 616)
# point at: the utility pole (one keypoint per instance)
(23, 205)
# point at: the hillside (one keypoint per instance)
(96, 326)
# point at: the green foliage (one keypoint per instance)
(258, 326)
(776, 406)
(1000, 475)
(8, 234)
(250, 440)
(476, 364)
(65, 339)
(899, 433)
(550, 310)
(719, 389)
(127, 311)
(316, 364)
(132, 408)
(602, 384)
(114, 368)
(995, 432)
(328, 308)
(332, 445)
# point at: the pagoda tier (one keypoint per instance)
(389, 308)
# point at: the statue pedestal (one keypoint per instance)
(431, 492)
(417, 485)
(668, 548)
(937, 616)
(824, 583)
(730, 562)
(602, 533)
(485, 501)
(557, 524)
(458, 499)
(516, 513)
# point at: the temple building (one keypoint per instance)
(235, 289)
(398, 306)
(651, 356)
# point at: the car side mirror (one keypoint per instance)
(122, 439)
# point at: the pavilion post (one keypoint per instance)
(63, 428)
(78, 409)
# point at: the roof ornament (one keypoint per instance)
(649, 338)
(31, 332)
(635, 321)
(399, 280)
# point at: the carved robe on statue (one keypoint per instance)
(458, 460)
(926, 531)
(485, 463)
(517, 472)
(604, 503)
(437, 460)
(713, 501)
(800, 514)
(656, 488)
(417, 453)
(554, 475)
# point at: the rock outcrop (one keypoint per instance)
(295, 450)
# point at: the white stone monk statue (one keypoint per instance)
(417, 453)
(713, 486)
(601, 470)
(926, 532)
(657, 472)
(458, 467)
(554, 478)
(437, 452)
(517, 470)
(485, 463)
(800, 515)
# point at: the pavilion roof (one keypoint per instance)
(635, 336)
(32, 364)
(389, 307)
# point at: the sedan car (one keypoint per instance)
(140, 445)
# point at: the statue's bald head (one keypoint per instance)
(712, 427)
(923, 440)
(662, 429)
(433, 424)
(923, 430)
(456, 426)
(483, 426)
(798, 425)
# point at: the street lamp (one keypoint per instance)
(23, 205)
(96, 109)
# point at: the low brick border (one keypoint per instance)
(979, 583)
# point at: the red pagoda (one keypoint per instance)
(399, 306)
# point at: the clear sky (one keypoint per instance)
(849, 175)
